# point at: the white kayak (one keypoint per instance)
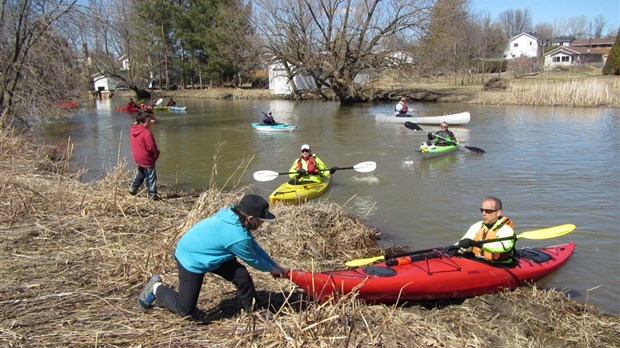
(280, 127)
(452, 119)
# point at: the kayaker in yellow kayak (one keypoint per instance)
(309, 168)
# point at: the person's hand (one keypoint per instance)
(429, 135)
(279, 272)
(332, 170)
(301, 171)
(466, 243)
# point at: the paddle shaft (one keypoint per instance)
(320, 170)
(450, 247)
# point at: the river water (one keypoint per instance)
(549, 165)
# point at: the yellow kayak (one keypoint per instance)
(295, 194)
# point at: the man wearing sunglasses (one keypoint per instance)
(443, 137)
(309, 168)
(493, 226)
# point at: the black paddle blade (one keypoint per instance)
(475, 149)
(413, 126)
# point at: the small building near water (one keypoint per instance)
(105, 85)
(279, 82)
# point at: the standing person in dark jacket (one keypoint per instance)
(145, 154)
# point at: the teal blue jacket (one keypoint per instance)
(217, 239)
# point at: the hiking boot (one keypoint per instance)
(132, 191)
(155, 197)
(147, 296)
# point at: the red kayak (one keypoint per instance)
(434, 275)
(126, 109)
(65, 104)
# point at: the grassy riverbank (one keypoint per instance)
(584, 87)
(74, 257)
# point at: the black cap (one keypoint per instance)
(256, 206)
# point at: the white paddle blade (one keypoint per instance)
(265, 175)
(365, 167)
(159, 101)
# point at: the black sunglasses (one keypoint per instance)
(488, 211)
(305, 150)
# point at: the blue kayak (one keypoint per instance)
(280, 127)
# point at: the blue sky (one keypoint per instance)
(548, 11)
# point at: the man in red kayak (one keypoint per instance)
(493, 226)
(131, 104)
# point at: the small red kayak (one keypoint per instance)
(66, 104)
(126, 109)
(434, 275)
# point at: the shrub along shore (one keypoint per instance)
(587, 88)
(75, 256)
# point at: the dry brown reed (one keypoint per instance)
(74, 256)
(581, 92)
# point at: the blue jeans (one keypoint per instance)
(149, 175)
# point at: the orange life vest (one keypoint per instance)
(311, 165)
(486, 234)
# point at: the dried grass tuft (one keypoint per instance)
(74, 256)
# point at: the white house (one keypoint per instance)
(559, 41)
(124, 61)
(522, 45)
(104, 83)
(279, 82)
(566, 56)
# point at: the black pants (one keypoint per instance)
(184, 302)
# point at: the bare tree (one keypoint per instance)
(598, 26)
(578, 27)
(449, 42)
(514, 22)
(544, 31)
(110, 29)
(28, 57)
(335, 40)
(491, 42)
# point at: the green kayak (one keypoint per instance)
(431, 151)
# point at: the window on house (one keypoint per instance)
(516, 44)
(555, 59)
(565, 58)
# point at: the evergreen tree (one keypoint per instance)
(612, 65)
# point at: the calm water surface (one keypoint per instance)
(549, 165)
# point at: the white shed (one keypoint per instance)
(104, 83)
(522, 45)
(279, 83)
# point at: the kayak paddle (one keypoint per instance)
(415, 127)
(545, 233)
(159, 101)
(268, 175)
